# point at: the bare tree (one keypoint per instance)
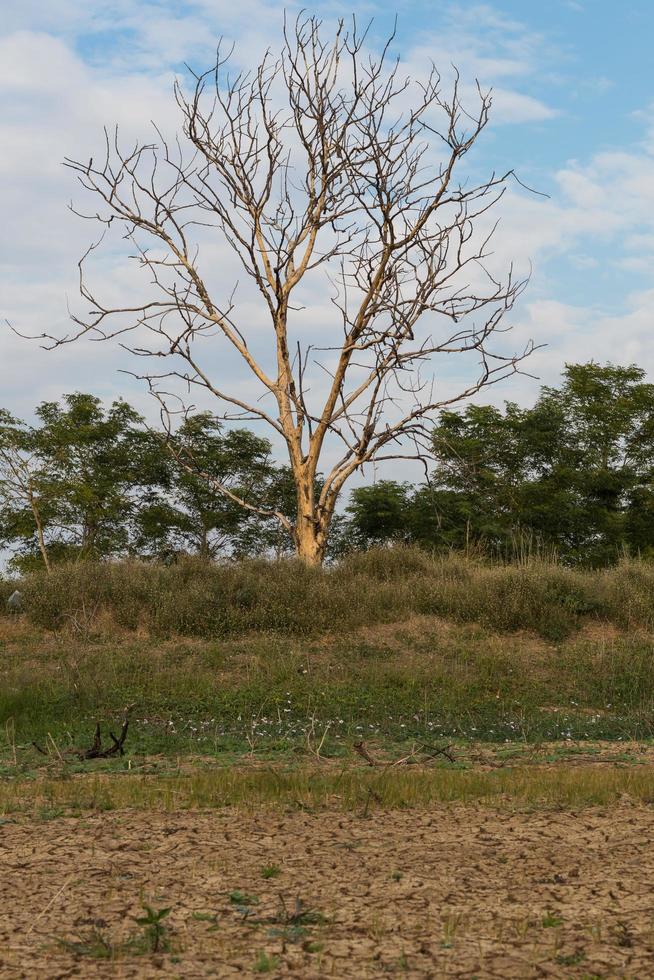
(317, 170)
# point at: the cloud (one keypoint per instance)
(104, 65)
(497, 51)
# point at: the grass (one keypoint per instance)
(351, 789)
(193, 598)
(270, 695)
(273, 660)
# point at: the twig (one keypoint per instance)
(360, 747)
(435, 750)
(50, 904)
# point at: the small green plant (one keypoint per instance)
(242, 899)
(93, 944)
(155, 933)
(551, 920)
(265, 963)
(271, 871)
(396, 876)
(49, 813)
(292, 925)
(209, 917)
(571, 959)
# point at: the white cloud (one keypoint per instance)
(46, 115)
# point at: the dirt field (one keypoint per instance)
(450, 892)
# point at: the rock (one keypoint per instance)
(15, 601)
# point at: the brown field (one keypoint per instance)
(450, 890)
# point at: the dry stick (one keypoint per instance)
(310, 747)
(10, 731)
(50, 903)
(434, 750)
(360, 747)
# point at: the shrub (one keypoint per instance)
(196, 598)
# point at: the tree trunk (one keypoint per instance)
(308, 545)
(311, 527)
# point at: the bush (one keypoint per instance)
(199, 599)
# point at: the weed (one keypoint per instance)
(571, 959)
(242, 899)
(155, 933)
(153, 938)
(551, 920)
(94, 944)
(271, 871)
(265, 963)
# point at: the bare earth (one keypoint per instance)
(450, 892)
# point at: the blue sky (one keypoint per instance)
(573, 114)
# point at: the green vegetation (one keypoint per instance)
(87, 482)
(570, 477)
(195, 598)
(153, 938)
(274, 657)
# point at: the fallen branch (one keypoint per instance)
(360, 747)
(97, 751)
(433, 751)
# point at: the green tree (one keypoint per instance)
(85, 470)
(23, 508)
(574, 472)
(186, 514)
(379, 513)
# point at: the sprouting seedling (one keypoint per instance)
(153, 927)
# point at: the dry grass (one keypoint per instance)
(196, 599)
(347, 789)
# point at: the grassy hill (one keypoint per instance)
(391, 646)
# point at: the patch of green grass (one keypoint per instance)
(571, 959)
(271, 871)
(274, 660)
(551, 920)
(265, 963)
(210, 917)
(252, 696)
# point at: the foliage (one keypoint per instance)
(573, 475)
(98, 484)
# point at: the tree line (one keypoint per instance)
(573, 475)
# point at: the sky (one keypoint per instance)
(573, 114)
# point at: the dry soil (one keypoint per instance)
(456, 891)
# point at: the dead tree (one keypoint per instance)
(322, 170)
